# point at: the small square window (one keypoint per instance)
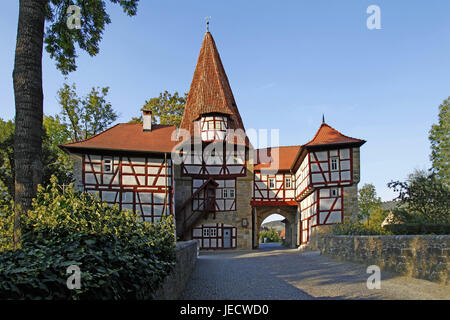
(334, 164)
(288, 183)
(272, 183)
(334, 192)
(212, 232)
(107, 165)
(206, 232)
(225, 193)
(231, 193)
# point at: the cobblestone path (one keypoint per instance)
(272, 274)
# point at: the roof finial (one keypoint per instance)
(323, 118)
(207, 23)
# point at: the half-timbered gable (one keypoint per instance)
(140, 180)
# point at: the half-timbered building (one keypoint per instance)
(207, 174)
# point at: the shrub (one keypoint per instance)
(119, 256)
(418, 228)
(6, 219)
(271, 235)
(357, 228)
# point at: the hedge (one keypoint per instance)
(418, 228)
(120, 257)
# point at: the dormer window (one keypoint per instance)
(213, 127)
(107, 165)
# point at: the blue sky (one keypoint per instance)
(287, 61)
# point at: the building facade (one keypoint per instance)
(208, 175)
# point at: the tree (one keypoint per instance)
(367, 201)
(424, 195)
(60, 38)
(440, 143)
(55, 161)
(85, 117)
(166, 109)
(7, 155)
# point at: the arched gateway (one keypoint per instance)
(209, 176)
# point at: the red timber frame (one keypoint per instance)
(306, 172)
(279, 193)
(200, 197)
(336, 199)
(222, 170)
(314, 220)
(199, 234)
(213, 124)
(145, 197)
(327, 173)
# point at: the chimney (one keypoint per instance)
(147, 120)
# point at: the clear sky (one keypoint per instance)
(287, 61)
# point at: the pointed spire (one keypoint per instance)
(323, 118)
(210, 91)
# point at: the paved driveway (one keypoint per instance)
(274, 273)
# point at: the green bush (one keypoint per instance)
(358, 228)
(418, 228)
(271, 235)
(119, 256)
(6, 219)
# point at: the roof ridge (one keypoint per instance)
(95, 135)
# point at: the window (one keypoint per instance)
(228, 193)
(206, 232)
(272, 183)
(288, 183)
(107, 165)
(212, 232)
(334, 192)
(334, 164)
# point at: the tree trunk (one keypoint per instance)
(27, 78)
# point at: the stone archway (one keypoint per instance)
(260, 213)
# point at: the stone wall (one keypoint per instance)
(175, 283)
(424, 256)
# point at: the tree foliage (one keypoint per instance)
(425, 196)
(270, 236)
(368, 201)
(60, 41)
(55, 161)
(440, 143)
(85, 116)
(166, 109)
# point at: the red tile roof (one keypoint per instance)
(129, 137)
(327, 135)
(286, 155)
(210, 90)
